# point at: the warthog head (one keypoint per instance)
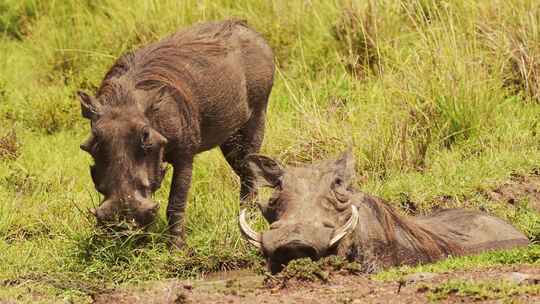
(309, 212)
(128, 162)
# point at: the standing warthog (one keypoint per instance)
(202, 87)
(315, 212)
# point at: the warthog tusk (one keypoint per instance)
(347, 228)
(249, 234)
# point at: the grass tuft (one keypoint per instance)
(480, 291)
(16, 18)
(9, 146)
(356, 35)
(530, 255)
(514, 41)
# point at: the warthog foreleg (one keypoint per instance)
(181, 182)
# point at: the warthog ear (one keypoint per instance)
(267, 171)
(345, 166)
(90, 107)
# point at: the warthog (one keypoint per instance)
(199, 88)
(315, 212)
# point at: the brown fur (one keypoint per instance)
(162, 69)
(398, 239)
(384, 238)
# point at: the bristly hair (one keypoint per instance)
(427, 246)
(165, 65)
(116, 92)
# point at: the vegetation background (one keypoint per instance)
(438, 99)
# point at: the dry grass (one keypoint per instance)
(356, 35)
(9, 146)
(516, 42)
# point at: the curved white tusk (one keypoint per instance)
(347, 228)
(249, 234)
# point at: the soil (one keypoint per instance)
(247, 287)
(518, 188)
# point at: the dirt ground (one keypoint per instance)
(247, 287)
(519, 188)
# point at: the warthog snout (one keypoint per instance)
(296, 249)
(115, 211)
(294, 241)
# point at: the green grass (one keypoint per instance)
(474, 290)
(529, 255)
(436, 99)
(481, 291)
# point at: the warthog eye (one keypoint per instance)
(279, 184)
(150, 139)
(145, 138)
(273, 202)
(340, 190)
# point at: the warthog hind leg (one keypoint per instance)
(245, 141)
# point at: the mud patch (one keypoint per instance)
(164, 292)
(518, 189)
(339, 288)
(306, 270)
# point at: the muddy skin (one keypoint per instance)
(202, 87)
(314, 212)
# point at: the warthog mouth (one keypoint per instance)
(291, 251)
(126, 221)
(255, 238)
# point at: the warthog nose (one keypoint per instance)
(117, 210)
(105, 212)
(291, 251)
(146, 213)
(296, 250)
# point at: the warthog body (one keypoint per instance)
(202, 87)
(315, 212)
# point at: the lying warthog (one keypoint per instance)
(202, 87)
(315, 212)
